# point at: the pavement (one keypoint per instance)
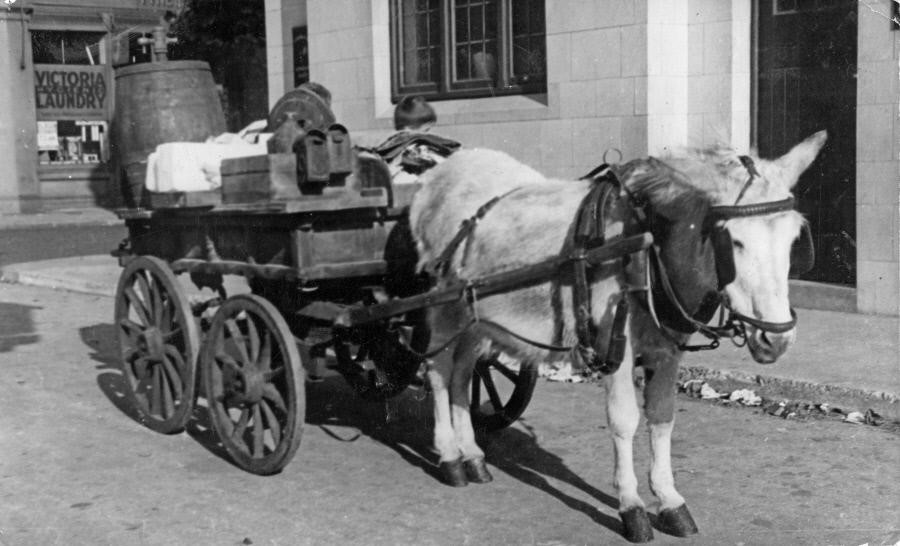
(842, 358)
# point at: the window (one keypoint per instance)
(468, 48)
(67, 47)
(301, 55)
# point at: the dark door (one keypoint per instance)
(806, 81)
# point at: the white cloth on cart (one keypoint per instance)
(193, 166)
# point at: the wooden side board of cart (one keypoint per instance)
(317, 270)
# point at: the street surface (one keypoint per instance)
(48, 242)
(75, 468)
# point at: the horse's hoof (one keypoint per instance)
(476, 471)
(637, 525)
(453, 473)
(677, 522)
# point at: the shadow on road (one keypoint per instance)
(517, 453)
(16, 326)
(101, 338)
(403, 424)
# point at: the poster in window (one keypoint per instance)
(47, 136)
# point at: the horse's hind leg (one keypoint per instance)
(659, 406)
(450, 460)
(623, 415)
(464, 357)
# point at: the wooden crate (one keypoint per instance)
(259, 178)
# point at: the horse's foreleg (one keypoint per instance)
(659, 406)
(449, 457)
(623, 416)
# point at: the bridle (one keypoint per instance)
(734, 325)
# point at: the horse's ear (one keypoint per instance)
(801, 156)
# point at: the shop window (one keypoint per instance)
(71, 92)
(468, 48)
(67, 47)
(68, 142)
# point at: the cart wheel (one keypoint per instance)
(253, 380)
(158, 341)
(377, 363)
(500, 382)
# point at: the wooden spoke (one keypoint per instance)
(272, 375)
(274, 425)
(156, 296)
(168, 319)
(238, 433)
(239, 341)
(137, 305)
(253, 341)
(131, 328)
(226, 360)
(145, 294)
(510, 374)
(172, 334)
(172, 372)
(166, 386)
(272, 394)
(156, 394)
(259, 430)
(491, 389)
(264, 358)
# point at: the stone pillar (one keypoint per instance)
(19, 186)
(877, 165)
(667, 75)
(281, 18)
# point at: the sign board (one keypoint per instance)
(67, 91)
(105, 5)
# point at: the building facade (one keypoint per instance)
(561, 84)
(57, 99)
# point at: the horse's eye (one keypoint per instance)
(737, 244)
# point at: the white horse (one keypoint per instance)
(690, 201)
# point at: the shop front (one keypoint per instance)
(60, 57)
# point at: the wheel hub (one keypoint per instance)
(150, 342)
(248, 386)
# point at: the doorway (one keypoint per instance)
(806, 82)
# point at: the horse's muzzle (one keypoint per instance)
(766, 346)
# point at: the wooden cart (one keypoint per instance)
(320, 271)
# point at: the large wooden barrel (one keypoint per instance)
(161, 102)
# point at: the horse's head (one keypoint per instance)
(755, 229)
(724, 228)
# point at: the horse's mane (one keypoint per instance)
(686, 184)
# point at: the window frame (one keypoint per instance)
(445, 88)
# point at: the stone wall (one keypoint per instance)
(877, 165)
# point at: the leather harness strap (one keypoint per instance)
(588, 229)
(441, 265)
